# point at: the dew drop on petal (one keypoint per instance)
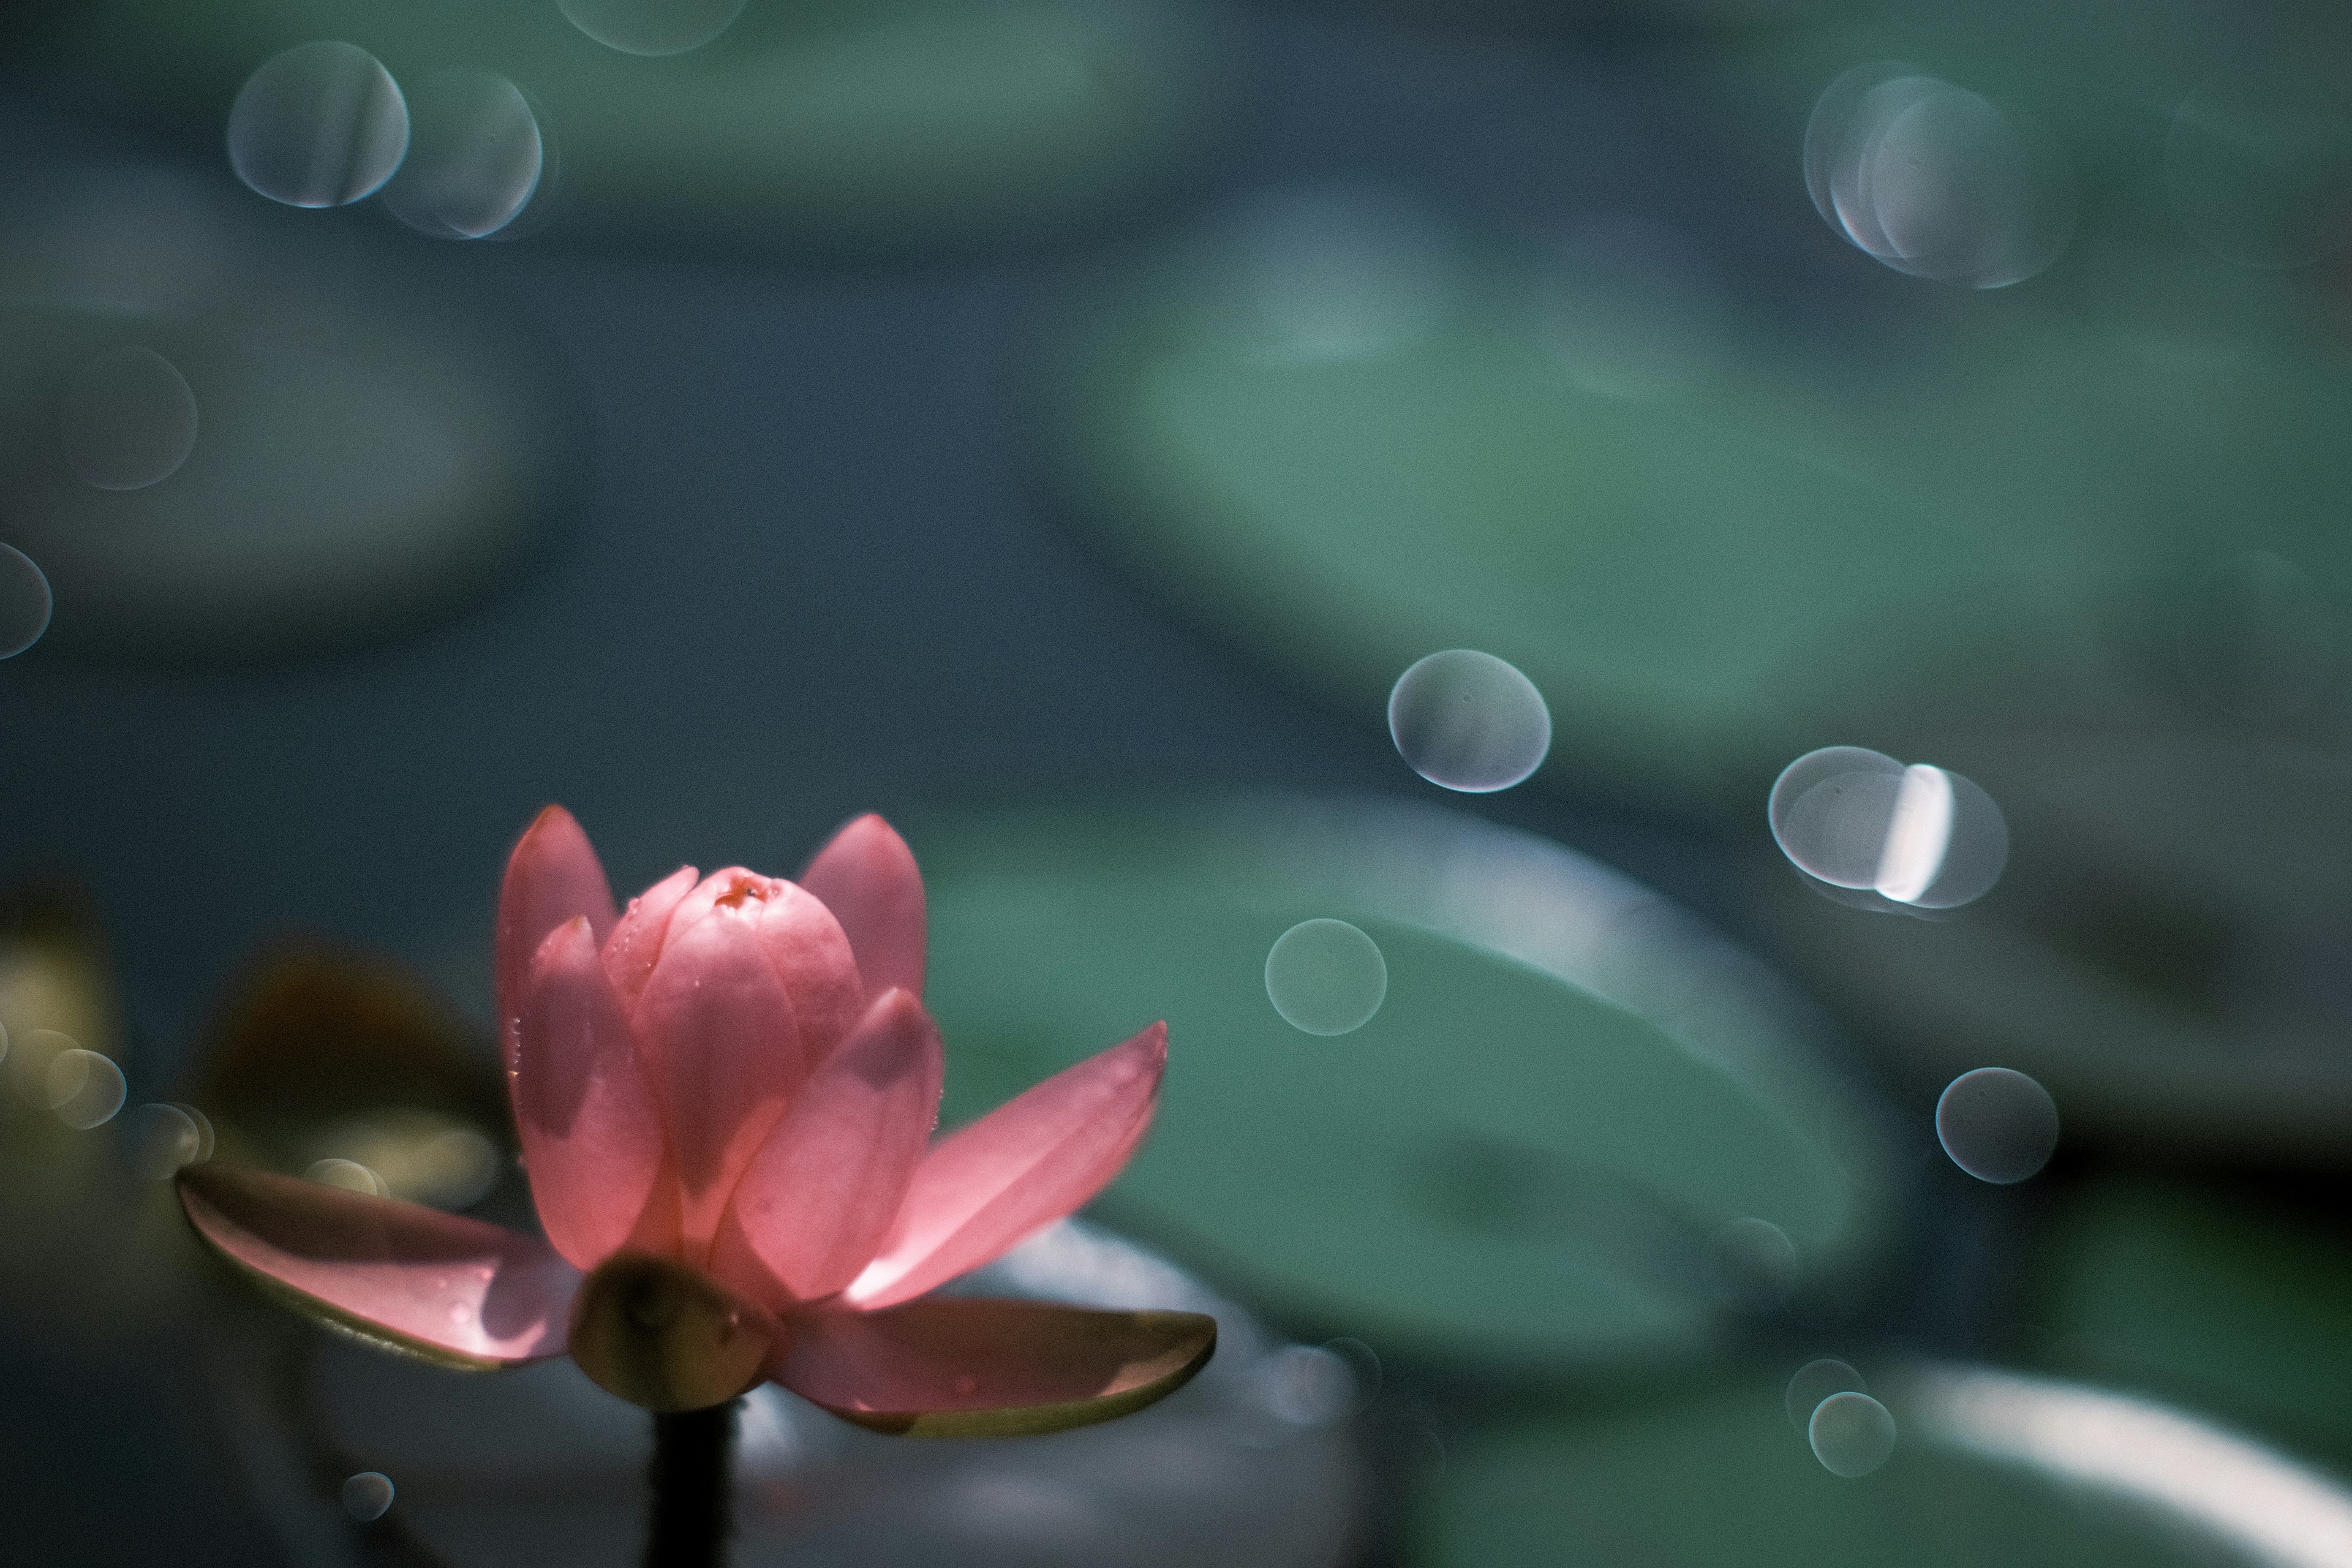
(128, 420)
(85, 1088)
(1326, 977)
(318, 126)
(158, 1140)
(651, 27)
(1469, 721)
(24, 602)
(1996, 1124)
(475, 155)
(367, 1495)
(349, 1174)
(1851, 1434)
(1816, 1381)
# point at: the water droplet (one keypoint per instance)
(1816, 1381)
(1326, 977)
(1858, 819)
(128, 420)
(24, 602)
(318, 126)
(367, 1495)
(651, 27)
(348, 1175)
(1469, 721)
(475, 155)
(2258, 164)
(158, 1140)
(1935, 180)
(1851, 1434)
(1998, 1125)
(1751, 1266)
(85, 1088)
(1307, 1385)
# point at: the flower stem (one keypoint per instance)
(691, 1480)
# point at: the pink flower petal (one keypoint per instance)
(823, 1190)
(552, 874)
(1032, 1160)
(813, 960)
(637, 939)
(716, 1031)
(866, 876)
(970, 1368)
(435, 1285)
(801, 940)
(592, 1134)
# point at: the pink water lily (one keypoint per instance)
(726, 1095)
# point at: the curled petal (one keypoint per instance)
(970, 1368)
(637, 939)
(718, 1035)
(1028, 1162)
(436, 1286)
(552, 874)
(821, 1192)
(592, 1134)
(866, 876)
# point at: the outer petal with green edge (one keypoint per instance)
(1028, 1162)
(822, 1192)
(592, 1133)
(866, 876)
(973, 1368)
(436, 1286)
(552, 874)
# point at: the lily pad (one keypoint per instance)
(2205, 1294)
(1530, 1153)
(1986, 1469)
(844, 120)
(1705, 522)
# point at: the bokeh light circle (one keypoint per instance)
(475, 156)
(2258, 164)
(1467, 721)
(1751, 1266)
(1996, 1124)
(348, 1175)
(85, 1088)
(24, 602)
(1851, 1434)
(128, 421)
(368, 1495)
(318, 126)
(1858, 819)
(1816, 1381)
(651, 27)
(160, 1138)
(1326, 977)
(1307, 1385)
(1936, 181)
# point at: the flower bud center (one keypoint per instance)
(660, 1334)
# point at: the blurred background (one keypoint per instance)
(1875, 475)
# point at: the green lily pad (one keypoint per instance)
(2206, 1295)
(1722, 1480)
(1708, 531)
(855, 120)
(1530, 1151)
